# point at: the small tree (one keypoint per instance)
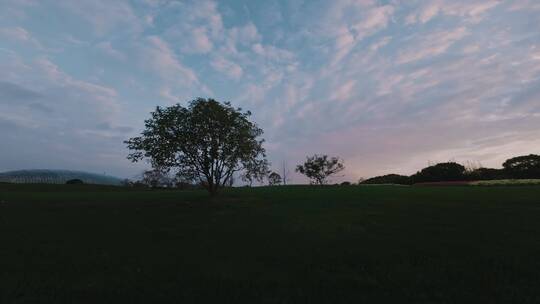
(255, 171)
(274, 179)
(207, 141)
(319, 167)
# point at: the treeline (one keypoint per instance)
(319, 167)
(521, 167)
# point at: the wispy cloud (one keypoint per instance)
(431, 45)
(160, 58)
(19, 34)
(470, 11)
(362, 79)
(228, 67)
(104, 16)
(108, 49)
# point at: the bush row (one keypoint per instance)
(521, 167)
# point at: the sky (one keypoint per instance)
(389, 86)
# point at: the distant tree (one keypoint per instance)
(345, 183)
(318, 168)
(255, 172)
(75, 181)
(274, 179)
(440, 172)
(527, 166)
(388, 179)
(156, 177)
(181, 183)
(207, 141)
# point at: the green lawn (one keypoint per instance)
(87, 244)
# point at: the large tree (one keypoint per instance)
(207, 141)
(319, 167)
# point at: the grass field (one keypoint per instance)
(507, 182)
(88, 244)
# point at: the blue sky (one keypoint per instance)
(387, 85)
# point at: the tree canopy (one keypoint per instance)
(319, 167)
(450, 171)
(274, 179)
(527, 166)
(207, 141)
(388, 179)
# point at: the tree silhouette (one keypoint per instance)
(388, 179)
(255, 171)
(274, 179)
(207, 141)
(527, 166)
(449, 171)
(319, 167)
(156, 177)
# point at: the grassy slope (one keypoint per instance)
(87, 244)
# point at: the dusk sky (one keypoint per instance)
(386, 85)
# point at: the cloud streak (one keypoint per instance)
(387, 85)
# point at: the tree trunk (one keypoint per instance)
(213, 190)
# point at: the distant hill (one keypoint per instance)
(56, 177)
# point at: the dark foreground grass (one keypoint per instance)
(84, 244)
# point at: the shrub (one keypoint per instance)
(75, 181)
(440, 173)
(388, 179)
(487, 174)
